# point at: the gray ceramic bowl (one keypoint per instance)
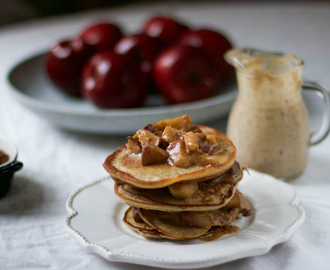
(8, 168)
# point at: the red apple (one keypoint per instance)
(111, 80)
(102, 36)
(64, 63)
(143, 49)
(184, 74)
(214, 44)
(166, 29)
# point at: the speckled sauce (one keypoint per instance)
(272, 141)
(269, 123)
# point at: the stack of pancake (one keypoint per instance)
(180, 181)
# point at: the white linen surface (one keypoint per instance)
(58, 162)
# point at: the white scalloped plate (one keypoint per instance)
(95, 221)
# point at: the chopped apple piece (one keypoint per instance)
(183, 190)
(211, 138)
(195, 129)
(145, 136)
(133, 146)
(181, 123)
(152, 129)
(178, 155)
(191, 141)
(171, 134)
(152, 154)
(201, 136)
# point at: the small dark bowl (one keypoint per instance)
(8, 168)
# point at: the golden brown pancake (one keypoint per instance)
(180, 181)
(209, 225)
(211, 194)
(141, 227)
(128, 168)
(162, 200)
(145, 230)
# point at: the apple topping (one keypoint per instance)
(152, 129)
(201, 136)
(145, 136)
(178, 155)
(181, 123)
(133, 146)
(211, 138)
(152, 154)
(195, 129)
(191, 140)
(171, 134)
(175, 142)
(183, 190)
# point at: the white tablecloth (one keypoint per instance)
(57, 162)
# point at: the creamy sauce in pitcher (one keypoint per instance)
(269, 123)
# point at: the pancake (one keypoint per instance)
(180, 181)
(127, 166)
(143, 228)
(168, 223)
(206, 225)
(210, 195)
(162, 200)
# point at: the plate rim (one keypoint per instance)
(174, 263)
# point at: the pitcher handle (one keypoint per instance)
(323, 131)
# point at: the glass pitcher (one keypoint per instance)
(269, 123)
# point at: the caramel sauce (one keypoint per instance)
(216, 185)
(3, 157)
(218, 232)
(136, 216)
